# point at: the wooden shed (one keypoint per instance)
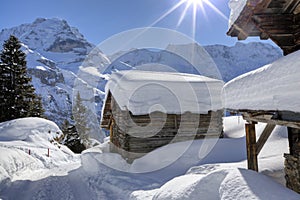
(145, 110)
(279, 21)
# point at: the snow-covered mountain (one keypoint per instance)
(241, 58)
(54, 39)
(55, 52)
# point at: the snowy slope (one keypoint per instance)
(272, 87)
(220, 174)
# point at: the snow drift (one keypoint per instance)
(27, 128)
(24, 145)
(212, 182)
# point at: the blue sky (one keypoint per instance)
(99, 19)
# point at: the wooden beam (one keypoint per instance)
(264, 36)
(297, 10)
(242, 36)
(258, 4)
(274, 19)
(264, 137)
(175, 122)
(291, 6)
(251, 146)
(268, 119)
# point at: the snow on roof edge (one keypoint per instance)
(164, 91)
(236, 7)
(271, 87)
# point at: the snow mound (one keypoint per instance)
(15, 160)
(272, 87)
(218, 182)
(28, 129)
(143, 92)
(27, 144)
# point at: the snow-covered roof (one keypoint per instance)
(273, 87)
(236, 7)
(143, 92)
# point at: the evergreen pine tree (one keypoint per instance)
(17, 95)
(36, 107)
(80, 118)
(71, 138)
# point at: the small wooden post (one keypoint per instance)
(48, 152)
(251, 147)
(111, 131)
(29, 152)
(175, 122)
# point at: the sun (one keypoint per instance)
(196, 2)
(195, 6)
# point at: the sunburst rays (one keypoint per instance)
(194, 6)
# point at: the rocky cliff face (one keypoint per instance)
(55, 51)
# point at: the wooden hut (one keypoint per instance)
(145, 110)
(279, 21)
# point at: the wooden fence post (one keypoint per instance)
(251, 146)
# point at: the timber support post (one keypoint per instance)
(292, 160)
(251, 146)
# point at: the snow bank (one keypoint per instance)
(143, 92)
(236, 7)
(272, 87)
(24, 145)
(15, 160)
(29, 128)
(218, 182)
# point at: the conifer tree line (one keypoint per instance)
(17, 94)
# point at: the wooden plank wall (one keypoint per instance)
(144, 133)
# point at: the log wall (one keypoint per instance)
(143, 133)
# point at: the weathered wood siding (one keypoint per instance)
(278, 20)
(144, 133)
